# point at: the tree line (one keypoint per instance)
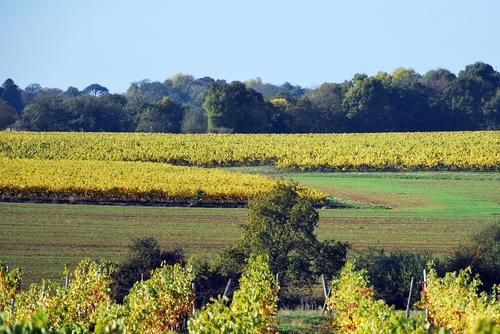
(403, 100)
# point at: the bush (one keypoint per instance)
(252, 310)
(210, 281)
(144, 256)
(481, 254)
(391, 273)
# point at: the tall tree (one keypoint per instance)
(194, 121)
(409, 102)
(46, 113)
(8, 115)
(145, 91)
(104, 113)
(281, 225)
(367, 103)
(95, 90)
(301, 117)
(437, 82)
(235, 108)
(491, 111)
(270, 91)
(474, 87)
(327, 101)
(72, 91)
(30, 92)
(163, 116)
(12, 95)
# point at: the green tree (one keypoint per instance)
(368, 107)
(391, 273)
(491, 111)
(408, 100)
(103, 113)
(144, 256)
(194, 121)
(327, 101)
(281, 225)
(436, 83)
(12, 95)
(111, 116)
(145, 91)
(72, 91)
(30, 92)
(270, 91)
(162, 116)
(8, 115)
(95, 90)
(482, 254)
(267, 90)
(301, 117)
(474, 87)
(235, 108)
(46, 113)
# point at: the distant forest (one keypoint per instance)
(403, 100)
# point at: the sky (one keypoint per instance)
(61, 43)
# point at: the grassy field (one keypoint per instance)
(301, 322)
(431, 211)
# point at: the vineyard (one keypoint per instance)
(474, 150)
(128, 181)
(453, 304)
(164, 303)
(160, 304)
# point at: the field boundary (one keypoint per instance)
(240, 204)
(124, 203)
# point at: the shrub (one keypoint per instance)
(391, 273)
(481, 254)
(252, 310)
(144, 256)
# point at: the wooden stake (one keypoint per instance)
(12, 307)
(326, 300)
(194, 304)
(227, 288)
(409, 299)
(425, 287)
(325, 292)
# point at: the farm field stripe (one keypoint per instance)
(128, 181)
(466, 150)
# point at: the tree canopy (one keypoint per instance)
(162, 116)
(281, 225)
(235, 108)
(403, 100)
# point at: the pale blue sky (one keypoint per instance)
(58, 43)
